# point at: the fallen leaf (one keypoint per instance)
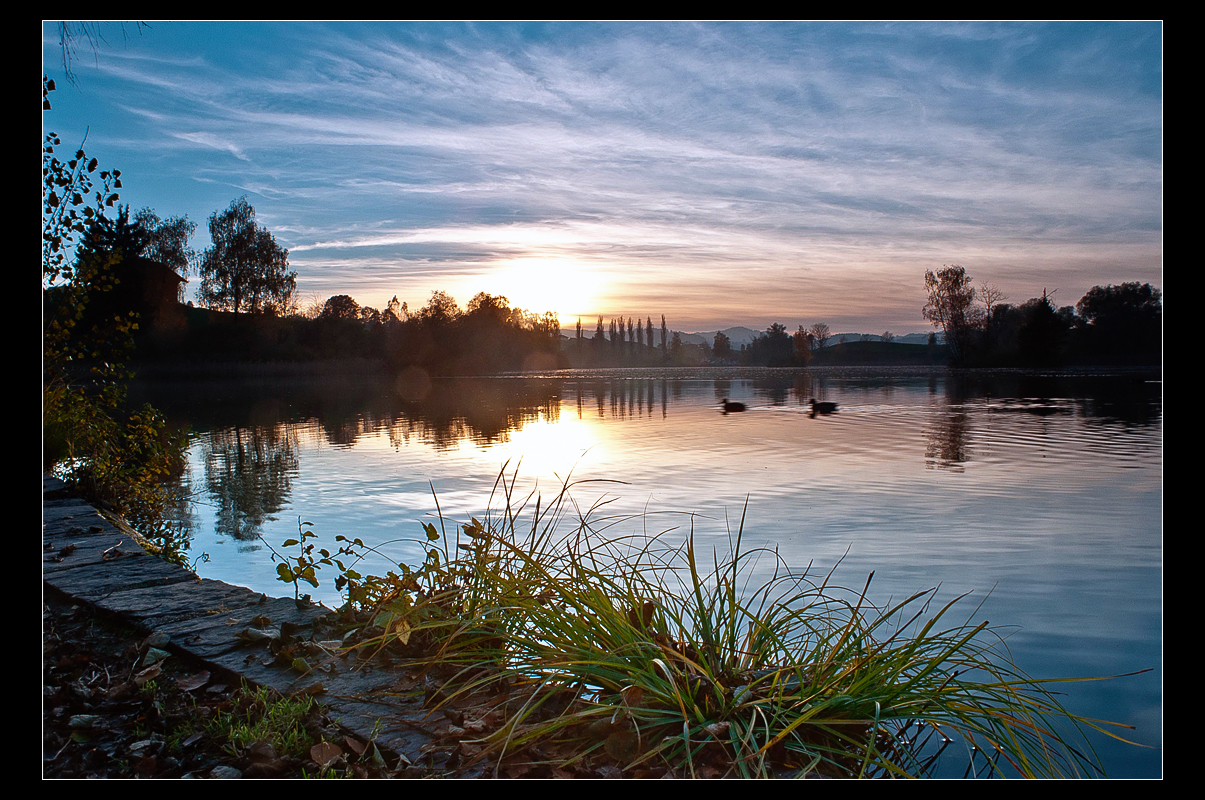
(324, 753)
(401, 629)
(193, 682)
(623, 745)
(148, 674)
(154, 655)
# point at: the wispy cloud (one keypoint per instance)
(823, 156)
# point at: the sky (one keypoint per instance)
(717, 173)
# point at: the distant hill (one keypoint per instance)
(741, 335)
(880, 353)
(737, 336)
(907, 338)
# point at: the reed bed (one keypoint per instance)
(570, 644)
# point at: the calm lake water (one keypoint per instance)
(1039, 494)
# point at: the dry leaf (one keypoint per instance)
(193, 682)
(324, 753)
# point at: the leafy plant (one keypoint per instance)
(304, 565)
(432, 610)
(114, 455)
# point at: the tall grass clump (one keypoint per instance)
(576, 646)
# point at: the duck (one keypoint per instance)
(822, 408)
(728, 405)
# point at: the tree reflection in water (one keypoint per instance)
(249, 474)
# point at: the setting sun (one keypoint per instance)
(564, 286)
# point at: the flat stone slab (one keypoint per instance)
(207, 616)
(230, 628)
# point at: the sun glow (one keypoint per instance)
(546, 448)
(563, 286)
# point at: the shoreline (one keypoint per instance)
(89, 562)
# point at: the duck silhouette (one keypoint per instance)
(822, 408)
(729, 406)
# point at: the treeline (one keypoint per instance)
(1110, 325)
(631, 343)
(441, 338)
(774, 347)
(136, 264)
(252, 314)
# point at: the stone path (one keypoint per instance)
(228, 628)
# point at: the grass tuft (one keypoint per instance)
(642, 653)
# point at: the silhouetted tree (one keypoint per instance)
(664, 337)
(340, 306)
(1042, 334)
(801, 342)
(72, 32)
(547, 325)
(370, 316)
(951, 297)
(721, 346)
(146, 237)
(117, 234)
(991, 296)
(495, 306)
(771, 348)
(245, 269)
(820, 334)
(1123, 319)
(167, 240)
(395, 312)
(141, 284)
(441, 309)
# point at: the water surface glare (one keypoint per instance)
(1040, 494)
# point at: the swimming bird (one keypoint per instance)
(727, 406)
(822, 408)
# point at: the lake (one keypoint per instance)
(1040, 494)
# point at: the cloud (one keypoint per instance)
(658, 150)
(212, 140)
